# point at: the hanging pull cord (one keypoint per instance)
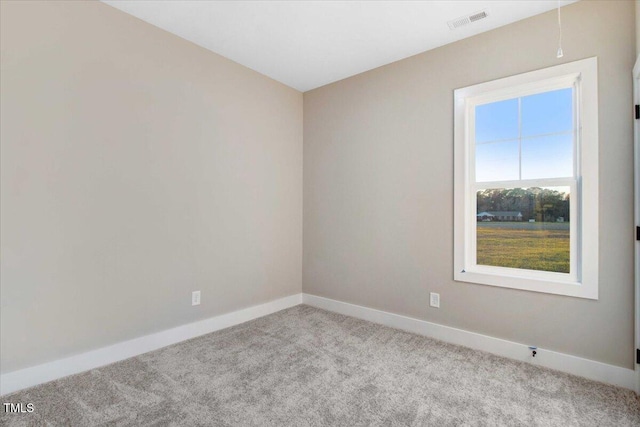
(559, 54)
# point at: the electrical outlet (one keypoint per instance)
(195, 298)
(435, 300)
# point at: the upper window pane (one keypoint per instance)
(497, 121)
(497, 161)
(528, 137)
(548, 112)
(548, 156)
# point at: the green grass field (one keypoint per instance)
(535, 246)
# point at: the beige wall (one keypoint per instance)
(136, 168)
(378, 186)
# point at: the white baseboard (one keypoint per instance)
(29, 377)
(623, 377)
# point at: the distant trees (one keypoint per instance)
(540, 204)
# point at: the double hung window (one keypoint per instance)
(526, 181)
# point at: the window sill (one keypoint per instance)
(557, 287)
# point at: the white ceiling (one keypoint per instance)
(307, 44)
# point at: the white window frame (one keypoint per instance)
(582, 281)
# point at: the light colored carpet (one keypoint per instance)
(309, 367)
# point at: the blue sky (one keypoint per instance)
(499, 138)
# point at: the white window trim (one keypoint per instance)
(583, 281)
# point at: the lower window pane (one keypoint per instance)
(524, 228)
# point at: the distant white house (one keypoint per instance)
(484, 216)
(507, 215)
(499, 216)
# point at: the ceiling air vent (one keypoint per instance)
(466, 20)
